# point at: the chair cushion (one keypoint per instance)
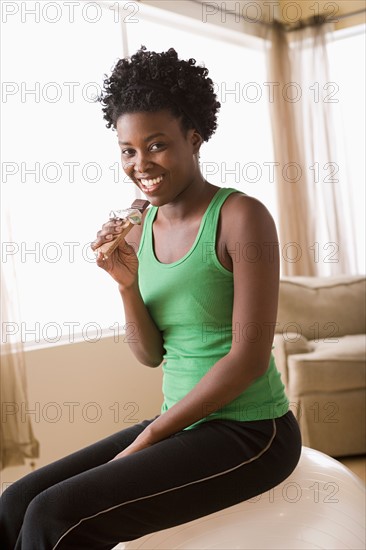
(322, 307)
(330, 366)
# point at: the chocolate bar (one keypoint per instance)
(131, 216)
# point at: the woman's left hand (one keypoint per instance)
(141, 442)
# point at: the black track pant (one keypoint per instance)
(82, 501)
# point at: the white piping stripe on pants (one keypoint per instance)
(174, 488)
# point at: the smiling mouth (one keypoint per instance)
(150, 184)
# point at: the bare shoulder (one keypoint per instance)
(244, 213)
(237, 203)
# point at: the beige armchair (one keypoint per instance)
(320, 349)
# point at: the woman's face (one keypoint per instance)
(156, 154)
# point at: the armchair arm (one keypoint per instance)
(285, 345)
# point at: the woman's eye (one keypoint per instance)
(156, 146)
(127, 152)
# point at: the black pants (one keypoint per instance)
(84, 502)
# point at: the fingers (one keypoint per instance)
(108, 233)
(107, 249)
(102, 260)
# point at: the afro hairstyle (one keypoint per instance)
(189, 91)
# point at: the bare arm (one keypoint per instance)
(147, 344)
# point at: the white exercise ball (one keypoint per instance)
(320, 505)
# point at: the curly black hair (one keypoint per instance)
(189, 92)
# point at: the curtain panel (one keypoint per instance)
(314, 213)
(17, 441)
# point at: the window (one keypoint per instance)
(59, 171)
(347, 61)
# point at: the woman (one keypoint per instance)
(199, 279)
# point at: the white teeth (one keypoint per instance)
(150, 183)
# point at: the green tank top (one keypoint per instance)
(191, 302)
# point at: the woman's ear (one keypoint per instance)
(196, 141)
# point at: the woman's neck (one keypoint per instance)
(190, 204)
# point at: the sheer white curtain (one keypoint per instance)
(17, 441)
(316, 229)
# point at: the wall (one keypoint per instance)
(82, 392)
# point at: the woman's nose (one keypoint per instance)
(142, 163)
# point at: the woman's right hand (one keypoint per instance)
(122, 264)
